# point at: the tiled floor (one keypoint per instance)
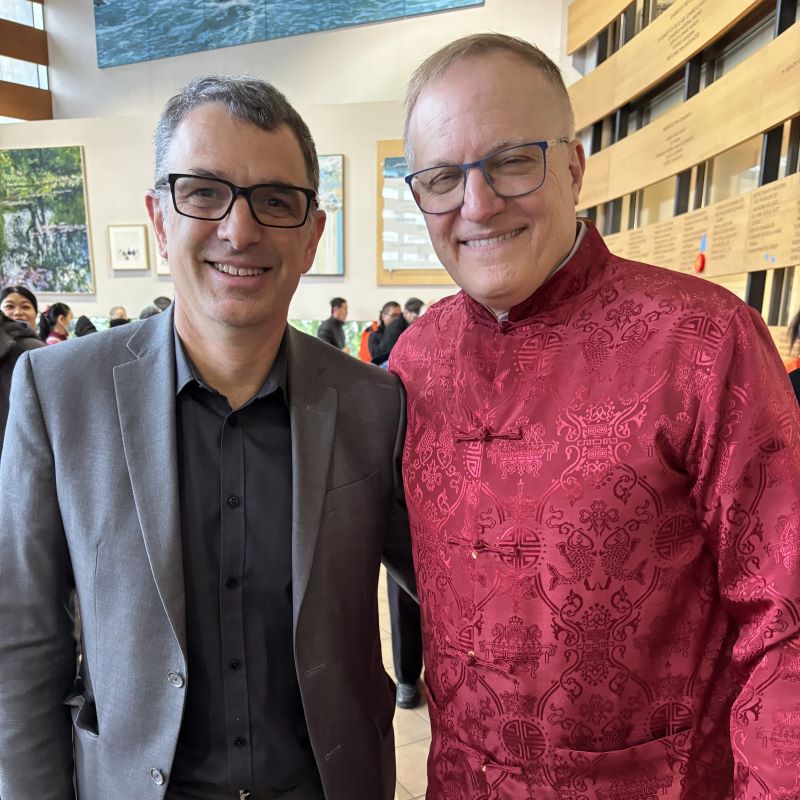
(412, 731)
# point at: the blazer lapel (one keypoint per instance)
(145, 390)
(312, 406)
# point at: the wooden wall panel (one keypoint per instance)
(25, 102)
(662, 47)
(586, 18)
(748, 233)
(23, 42)
(759, 94)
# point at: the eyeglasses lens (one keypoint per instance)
(511, 172)
(208, 198)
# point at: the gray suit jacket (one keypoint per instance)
(90, 502)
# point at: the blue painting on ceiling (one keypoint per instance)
(128, 31)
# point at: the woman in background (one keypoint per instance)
(54, 323)
(15, 339)
(19, 303)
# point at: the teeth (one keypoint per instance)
(239, 272)
(492, 239)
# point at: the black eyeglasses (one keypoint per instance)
(511, 172)
(273, 205)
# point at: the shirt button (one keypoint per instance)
(234, 664)
(233, 500)
(157, 775)
(240, 741)
(231, 583)
(176, 679)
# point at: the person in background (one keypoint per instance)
(84, 326)
(118, 312)
(602, 471)
(149, 311)
(19, 303)
(412, 308)
(162, 303)
(389, 313)
(54, 323)
(363, 348)
(16, 338)
(331, 330)
(404, 614)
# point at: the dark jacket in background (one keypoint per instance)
(15, 339)
(381, 342)
(794, 377)
(331, 330)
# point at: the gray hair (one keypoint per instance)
(246, 98)
(479, 44)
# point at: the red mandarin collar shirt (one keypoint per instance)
(604, 495)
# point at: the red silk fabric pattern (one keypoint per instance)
(604, 496)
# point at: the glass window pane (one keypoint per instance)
(4, 120)
(747, 45)
(657, 202)
(16, 71)
(44, 82)
(38, 16)
(735, 171)
(17, 11)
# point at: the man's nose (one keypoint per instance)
(480, 200)
(240, 228)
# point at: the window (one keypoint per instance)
(734, 172)
(22, 11)
(656, 202)
(746, 45)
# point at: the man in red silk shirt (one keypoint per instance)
(602, 469)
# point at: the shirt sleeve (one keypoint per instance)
(745, 461)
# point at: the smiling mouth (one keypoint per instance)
(492, 240)
(238, 272)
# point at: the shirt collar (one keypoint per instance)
(186, 372)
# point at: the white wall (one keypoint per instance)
(347, 84)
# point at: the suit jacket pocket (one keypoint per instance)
(650, 771)
(350, 493)
(83, 709)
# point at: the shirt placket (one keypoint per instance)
(232, 562)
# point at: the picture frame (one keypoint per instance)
(329, 258)
(162, 266)
(45, 237)
(405, 255)
(127, 246)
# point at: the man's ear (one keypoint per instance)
(577, 166)
(156, 214)
(316, 227)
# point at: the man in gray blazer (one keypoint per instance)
(218, 490)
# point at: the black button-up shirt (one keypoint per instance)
(243, 726)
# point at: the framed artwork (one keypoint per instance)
(128, 247)
(162, 266)
(142, 30)
(329, 259)
(44, 235)
(405, 255)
